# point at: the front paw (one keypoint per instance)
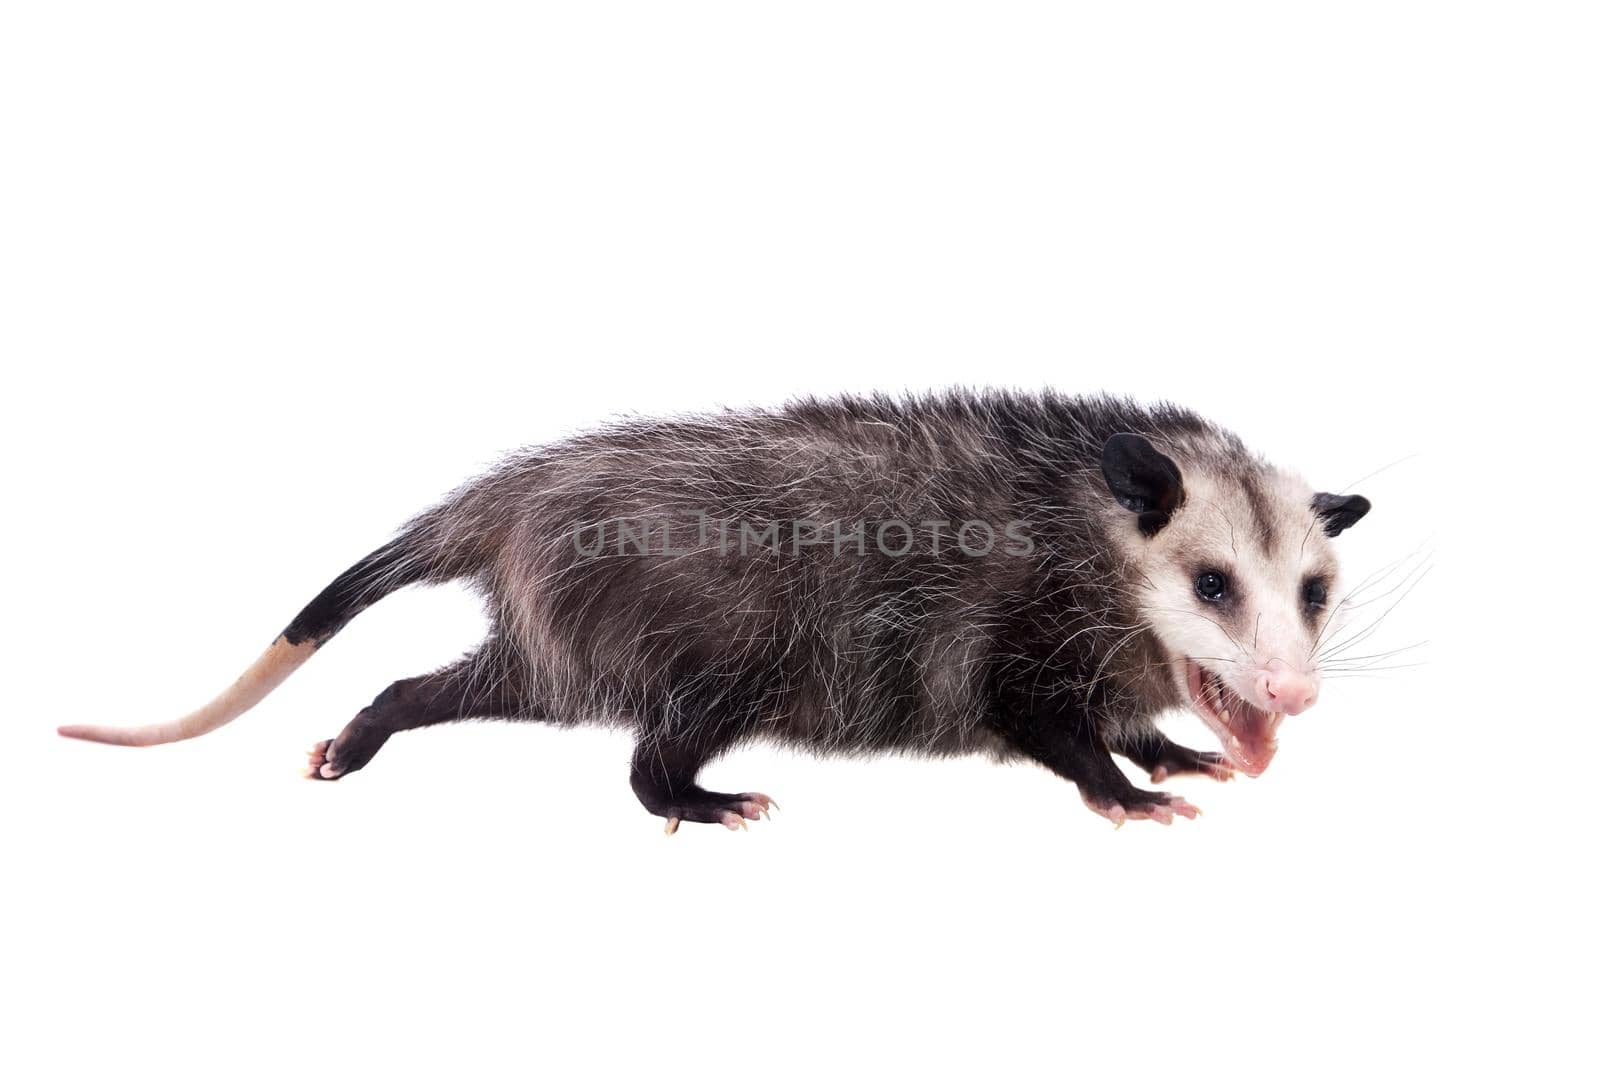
(1175, 759)
(1140, 804)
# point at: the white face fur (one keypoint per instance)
(1239, 580)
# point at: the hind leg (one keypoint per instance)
(479, 687)
(663, 778)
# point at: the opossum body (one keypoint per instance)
(1031, 576)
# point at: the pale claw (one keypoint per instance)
(1161, 811)
(755, 805)
(1116, 813)
(672, 826)
(1165, 810)
(1183, 807)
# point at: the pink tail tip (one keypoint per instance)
(83, 733)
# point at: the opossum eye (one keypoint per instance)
(1315, 592)
(1211, 585)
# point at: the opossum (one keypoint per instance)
(1026, 575)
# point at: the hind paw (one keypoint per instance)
(320, 763)
(733, 810)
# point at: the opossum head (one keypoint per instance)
(1233, 569)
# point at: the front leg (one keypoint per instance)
(1070, 746)
(1162, 758)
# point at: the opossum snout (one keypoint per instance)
(1284, 691)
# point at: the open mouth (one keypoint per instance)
(1248, 734)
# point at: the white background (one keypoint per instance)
(274, 279)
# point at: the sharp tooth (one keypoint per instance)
(1226, 715)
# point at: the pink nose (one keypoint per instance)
(1285, 691)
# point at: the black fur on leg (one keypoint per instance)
(663, 778)
(478, 687)
(1065, 741)
(1162, 758)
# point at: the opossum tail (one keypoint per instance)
(415, 556)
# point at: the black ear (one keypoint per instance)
(1142, 479)
(1339, 513)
